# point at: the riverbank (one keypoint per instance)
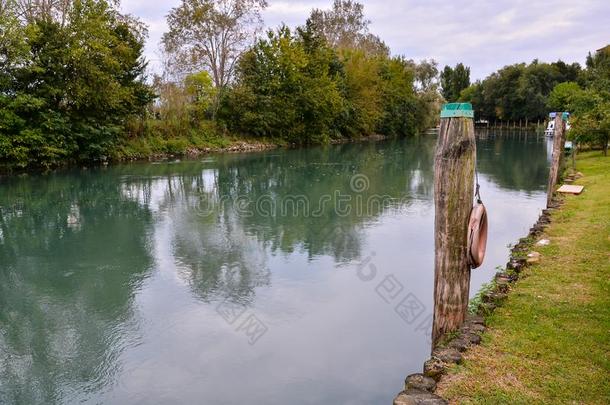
(548, 342)
(158, 148)
(153, 149)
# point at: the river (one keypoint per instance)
(299, 276)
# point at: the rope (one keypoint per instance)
(476, 176)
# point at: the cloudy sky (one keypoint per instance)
(484, 35)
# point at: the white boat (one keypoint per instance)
(550, 129)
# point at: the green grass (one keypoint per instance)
(150, 146)
(475, 302)
(550, 341)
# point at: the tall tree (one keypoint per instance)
(446, 79)
(426, 75)
(285, 89)
(345, 27)
(598, 69)
(211, 35)
(454, 80)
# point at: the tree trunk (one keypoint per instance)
(453, 196)
(558, 144)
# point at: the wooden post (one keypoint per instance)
(574, 149)
(558, 145)
(453, 196)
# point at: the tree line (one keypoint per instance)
(325, 80)
(520, 91)
(73, 83)
(74, 87)
(528, 92)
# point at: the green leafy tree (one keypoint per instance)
(285, 90)
(590, 106)
(201, 92)
(593, 126)
(363, 93)
(453, 81)
(403, 112)
(70, 84)
(562, 96)
(598, 70)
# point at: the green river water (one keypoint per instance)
(291, 276)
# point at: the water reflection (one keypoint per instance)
(73, 254)
(110, 279)
(528, 159)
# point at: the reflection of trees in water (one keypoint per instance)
(72, 254)
(321, 177)
(224, 245)
(216, 256)
(221, 245)
(515, 161)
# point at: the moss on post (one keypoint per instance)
(454, 166)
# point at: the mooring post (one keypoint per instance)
(454, 165)
(558, 145)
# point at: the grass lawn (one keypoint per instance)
(550, 341)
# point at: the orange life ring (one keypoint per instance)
(477, 235)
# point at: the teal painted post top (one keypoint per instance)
(457, 110)
(564, 115)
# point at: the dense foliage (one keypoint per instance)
(453, 81)
(328, 79)
(295, 87)
(530, 92)
(520, 91)
(68, 81)
(591, 105)
(73, 85)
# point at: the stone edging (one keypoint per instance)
(420, 387)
